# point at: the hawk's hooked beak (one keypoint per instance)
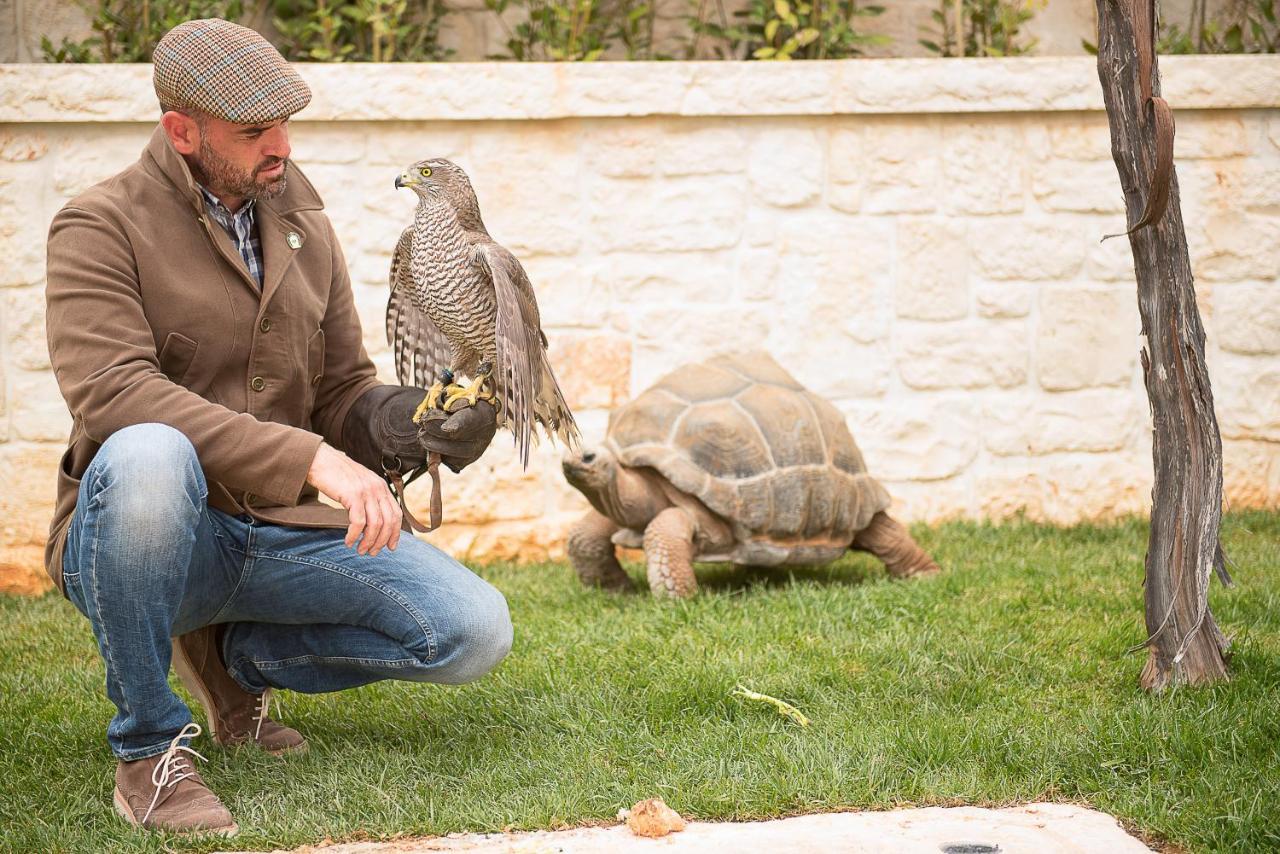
(402, 181)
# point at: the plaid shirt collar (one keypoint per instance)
(241, 227)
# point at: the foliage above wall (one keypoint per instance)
(585, 30)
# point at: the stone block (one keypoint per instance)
(1092, 421)
(1004, 299)
(649, 279)
(1092, 187)
(1086, 337)
(932, 280)
(710, 150)
(627, 150)
(594, 371)
(81, 163)
(1072, 138)
(785, 167)
(1247, 318)
(1250, 473)
(1209, 134)
(918, 440)
(1237, 246)
(313, 143)
(972, 354)
(23, 230)
(24, 331)
(982, 166)
(37, 411)
(834, 270)
(673, 215)
(389, 147)
(1111, 261)
(670, 336)
(1246, 396)
(27, 488)
(20, 145)
(931, 501)
(848, 169)
(1028, 250)
(1066, 488)
(529, 190)
(571, 292)
(900, 168)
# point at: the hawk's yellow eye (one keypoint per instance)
(425, 171)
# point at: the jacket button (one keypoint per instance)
(265, 325)
(315, 380)
(257, 383)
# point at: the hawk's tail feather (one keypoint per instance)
(551, 410)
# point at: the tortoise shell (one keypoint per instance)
(771, 458)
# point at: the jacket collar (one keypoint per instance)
(299, 194)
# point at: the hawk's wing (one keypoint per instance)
(421, 350)
(519, 338)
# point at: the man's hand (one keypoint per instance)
(375, 516)
(461, 436)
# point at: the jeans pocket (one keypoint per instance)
(71, 584)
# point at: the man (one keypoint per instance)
(203, 332)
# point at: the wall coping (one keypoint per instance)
(38, 92)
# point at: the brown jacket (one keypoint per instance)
(154, 317)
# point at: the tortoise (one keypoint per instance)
(729, 460)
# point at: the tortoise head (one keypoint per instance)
(594, 473)
(628, 496)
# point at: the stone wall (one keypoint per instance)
(915, 239)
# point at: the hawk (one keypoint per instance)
(462, 305)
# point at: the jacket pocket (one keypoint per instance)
(177, 355)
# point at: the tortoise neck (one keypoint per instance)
(636, 497)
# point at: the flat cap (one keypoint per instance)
(227, 71)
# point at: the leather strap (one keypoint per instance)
(398, 484)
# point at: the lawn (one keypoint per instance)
(1005, 680)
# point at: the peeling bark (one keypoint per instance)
(1184, 642)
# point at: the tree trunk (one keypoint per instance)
(1184, 643)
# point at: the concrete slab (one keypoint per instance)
(1028, 829)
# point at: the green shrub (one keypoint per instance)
(781, 30)
(127, 30)
(986, 27)
(364, 30)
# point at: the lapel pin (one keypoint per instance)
(294, 240)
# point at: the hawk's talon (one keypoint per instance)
(431, 401)
(475, 391)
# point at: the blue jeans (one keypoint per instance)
(147, 559)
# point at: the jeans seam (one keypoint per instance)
(97, 603)
(369, 582)
(246, 569)
(277, 664)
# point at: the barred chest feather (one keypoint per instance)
(451, 289)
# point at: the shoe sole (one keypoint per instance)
(187, 673)
(122, 807)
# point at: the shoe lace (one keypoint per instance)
(260, 712)
(174, 765)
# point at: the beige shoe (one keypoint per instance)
(235, 716)
(165, 792)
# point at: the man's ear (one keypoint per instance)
(183, 132)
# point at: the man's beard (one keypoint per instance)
(224, 178)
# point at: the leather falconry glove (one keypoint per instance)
(379, 433)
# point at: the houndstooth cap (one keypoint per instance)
(227, 71)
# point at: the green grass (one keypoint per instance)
(1005, 680)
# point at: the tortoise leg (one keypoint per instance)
(668, 551)
(888, 540)
(592, 555)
